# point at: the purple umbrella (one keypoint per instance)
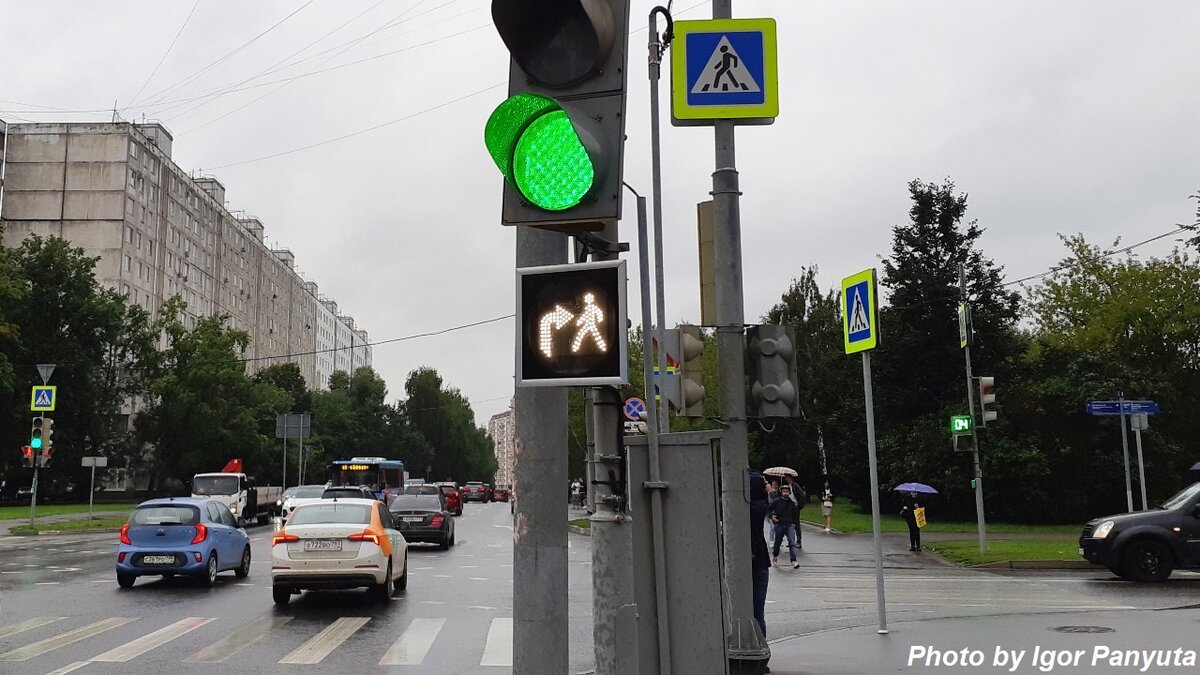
(915, 487)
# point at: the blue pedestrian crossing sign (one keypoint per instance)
(860, 312)
(724, 69)
(42, 398)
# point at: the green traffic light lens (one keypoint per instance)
(550, 166)
(508, 121)
(35, 443)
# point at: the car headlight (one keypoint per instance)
(278, 502)
(232, 509)
(1102, 531)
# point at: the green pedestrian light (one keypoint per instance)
(541, 154)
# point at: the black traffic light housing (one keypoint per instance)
(771, 366)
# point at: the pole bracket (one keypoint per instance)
(655, 484)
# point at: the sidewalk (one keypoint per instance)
(5, 525)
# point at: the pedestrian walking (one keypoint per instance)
(576, 493)
(782, 514)
(827, 507)
(798, 498)
(908, 511)
(760, 564)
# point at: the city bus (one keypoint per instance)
(384, 476)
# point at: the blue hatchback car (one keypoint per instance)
(192, 536)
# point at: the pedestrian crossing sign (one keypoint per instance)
(42, 398)
(860, 312)
(724, 69)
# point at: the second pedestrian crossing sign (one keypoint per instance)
(724, 69)
(860, 312)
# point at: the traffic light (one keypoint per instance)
(571, 325)
(47, 451)
(27, 457)
(36, 433)
(987, 400)
(558, 138)
(771, 364)
(691, 371)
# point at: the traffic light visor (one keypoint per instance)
(536, 146)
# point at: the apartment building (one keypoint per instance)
(113, 190)
(503, 431)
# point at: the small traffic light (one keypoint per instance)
(47, 451)
(964, 443)
(771, 365)
(558, 138)
(691, 371)
(36, 433)
(571, 325)
(973, 483)
(987, 400)
(27, 457)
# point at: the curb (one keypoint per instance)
(579, 530)
(1036, 565)
(58, 533)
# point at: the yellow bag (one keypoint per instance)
(919, 515)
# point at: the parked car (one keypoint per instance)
(350, 543)
(500, 494)
(476, 492)
(424, 518)
(294, 496)
(348, 492)
(453, 496)
(186, 535)
(1148, 545)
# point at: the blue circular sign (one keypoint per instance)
(635, 408)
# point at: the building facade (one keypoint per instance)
(113, 190)
(503, 432)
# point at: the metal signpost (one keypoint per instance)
(292, 425)
(93, 462)
(1138, 410)
(44, 402)
(964, 340)
(860, 330)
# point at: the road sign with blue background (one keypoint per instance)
(724, 69)
(1114, 407)
(860, 312)
(42, 398)
(635, 408)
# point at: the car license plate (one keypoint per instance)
(414, 519)
(323, 545)
(158, 560)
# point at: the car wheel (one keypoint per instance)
(282, 595)
(445, 543)
(125, 580)
(402, 582)
(458, 512)
(451, 537)
(244, 570)
(1147, 560)
(383, 592)
(209, 576)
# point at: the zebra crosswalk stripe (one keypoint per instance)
(320, 645)
(413, 644)
(70, 637)
(235, 642)
(28, 624)
(498, 651)
(136, 648)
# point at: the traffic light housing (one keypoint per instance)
(987, 400)
(37, 433)
(771, 364)
(27, 457)
(690, 351)
(571, 325)
(47, 450)
(558, 138)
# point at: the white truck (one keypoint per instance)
(236, 491)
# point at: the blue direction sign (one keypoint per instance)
(635, 408)
(1114, 407)
(724, 69)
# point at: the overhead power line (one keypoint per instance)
(164, 56)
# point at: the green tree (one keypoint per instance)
(443, 418)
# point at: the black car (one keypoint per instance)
(476, 492)
(423, 518)
(1148, 545)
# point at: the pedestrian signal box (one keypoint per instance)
(961, 425)
(571, 325)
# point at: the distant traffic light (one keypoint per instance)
(27, 457)
(36, 433)
(691, 371)
(571, 325)
(987, 400)
(961, 425)
(558, 138)
(47, 450)
(771, 365)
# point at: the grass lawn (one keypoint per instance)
(999, 550)
(14, 512)
(848, 518)
(85, 525)
(582, 522)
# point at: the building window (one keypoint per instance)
(129, 234)
(134, 149)
(128, 264)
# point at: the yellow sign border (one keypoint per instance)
(768, 109)
(52, 388)
(872, 300)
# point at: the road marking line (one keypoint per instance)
(220, 651)
(498, 651)
(432, 602)
(479, 579)
(147, 642)
(50, 644)
(480, 607)
(321, 644)
(69, 668)
(28, 624)
(413, 644)
(467, 567)
(12, 573)
(104, 581)
(47, 583)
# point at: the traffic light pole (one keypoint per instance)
(540, 644)
(33, 491)
(656, 49)
(982, 524)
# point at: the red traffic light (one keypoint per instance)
(26, 456)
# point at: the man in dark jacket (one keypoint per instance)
(783, 512)
(760, 564)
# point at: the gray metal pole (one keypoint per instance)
(1137, 434)
(540, 645)
(655, 484)
(285, 434)
(727, 241)
(656, 51)
(1125, 449)
(614, 608)
(876, 528)
(981, 521)
(92, 489)
(33, 489)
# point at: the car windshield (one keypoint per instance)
(342, 492)
(423, 490)
(215, 485)
(165, 515)
(308, 492)
(1185, 495)
(340, 514)
(429, 502)
(449, 489)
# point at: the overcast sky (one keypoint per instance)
(1055, 117)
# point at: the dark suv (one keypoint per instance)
(1148, 545)
(476, 492)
